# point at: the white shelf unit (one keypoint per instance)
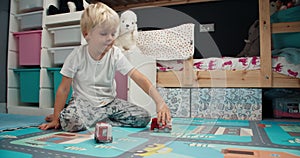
(46, 89)
(14, 103)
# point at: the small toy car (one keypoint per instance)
(159, 127)
(103, 133)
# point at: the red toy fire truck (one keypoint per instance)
(103, 133)
(159, 127)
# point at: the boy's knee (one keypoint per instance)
(71, 122)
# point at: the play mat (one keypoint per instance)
(190, 138)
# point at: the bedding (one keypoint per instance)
(279, 64)
(174, 43)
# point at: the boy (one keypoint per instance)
(91, 69)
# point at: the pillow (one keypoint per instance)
(174, 43)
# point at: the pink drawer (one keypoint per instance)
(29, 44)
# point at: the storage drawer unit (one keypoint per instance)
(66, 35)
(31, 20)
(60, 54)
(29, 84)
(57, 77)
(29, 45)
(29, 5)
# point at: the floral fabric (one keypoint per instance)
(223, 103)
(227, 103)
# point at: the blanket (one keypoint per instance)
(292, 55)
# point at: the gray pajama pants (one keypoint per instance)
(81, 115)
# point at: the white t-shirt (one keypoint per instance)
(95, 80)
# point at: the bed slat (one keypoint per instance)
(219, 78)
(283, 81)
(286, 27)
(214, 78)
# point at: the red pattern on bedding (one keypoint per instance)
(292, 73)
(280, 65)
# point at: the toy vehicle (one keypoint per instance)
(158, 127)
(103, 133)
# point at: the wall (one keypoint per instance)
(232, 19)
(4, 16)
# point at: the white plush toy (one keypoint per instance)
(72, 5)
(128, 33)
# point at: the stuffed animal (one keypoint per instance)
(286, 4)
(252, 43)
(128, 33)
(273, 7)
(66, 6)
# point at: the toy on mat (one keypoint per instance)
(159, 127)
(103, 133)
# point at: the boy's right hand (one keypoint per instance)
(53, 124)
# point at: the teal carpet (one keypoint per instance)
(13, 121)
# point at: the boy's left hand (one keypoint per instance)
(163, 114)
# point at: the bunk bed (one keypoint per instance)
(263, 77)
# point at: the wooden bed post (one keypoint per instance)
(265, 44)
(188, 72)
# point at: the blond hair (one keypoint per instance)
(98, 14)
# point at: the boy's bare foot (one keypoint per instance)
(49, 118)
